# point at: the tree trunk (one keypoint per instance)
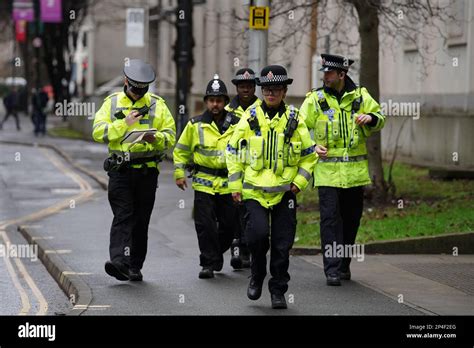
(369, 78)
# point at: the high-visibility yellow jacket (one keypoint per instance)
(203, 144)
(235, 108)
(333, 121)
(110, 127)
(262, 163)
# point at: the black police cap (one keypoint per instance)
(139, 74)
(244, 75)
(273, 75)
(334, 62)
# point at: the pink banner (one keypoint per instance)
(51, 11)
(23, 10)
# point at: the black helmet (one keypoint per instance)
(273, 75)
(216, 87)
(139, 75)
(244, 75)
(335, 62)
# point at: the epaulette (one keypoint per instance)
(195, 119)
(314, 90)
(111, 95)
(157, 97)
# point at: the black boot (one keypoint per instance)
(135, 275)
(254, 290)
(278, 301)
(206, 273)
(119, 271)
(333, 279)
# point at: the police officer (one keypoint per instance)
(244, 82)
(203, 142)
(342, 115)
(270, 158)
(132, 167)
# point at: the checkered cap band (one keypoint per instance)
(137, 84)
(275, 78)
(336, 65)
(243, 77)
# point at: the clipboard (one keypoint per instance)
(136, 136)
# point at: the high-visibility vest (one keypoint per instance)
(110, 127)
(203, 144)
(262, 162)
(334, 127)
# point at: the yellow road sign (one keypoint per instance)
(259, 17)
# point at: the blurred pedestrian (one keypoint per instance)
(11, 102)
(39, 101)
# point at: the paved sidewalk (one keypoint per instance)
(434, 284)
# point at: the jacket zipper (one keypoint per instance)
(267, 145)
(271, 147)
(344, 126)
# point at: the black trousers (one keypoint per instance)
(39, 122)
(7, 115)
(216, 220)
(240, 232)
(273, 229)
(131, 197)
(341, 210)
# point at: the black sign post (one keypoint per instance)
(184, 60)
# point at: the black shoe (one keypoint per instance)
(206, 273)
(116, 270)
(278, 302)
(135, 275)
(333, 279)
(345, 275)
(254, 290)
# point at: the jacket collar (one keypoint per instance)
(235, 102)
(281, 110)
(208, 118)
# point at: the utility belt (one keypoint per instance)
(223, 173)
(119, 163)
(343, 159)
